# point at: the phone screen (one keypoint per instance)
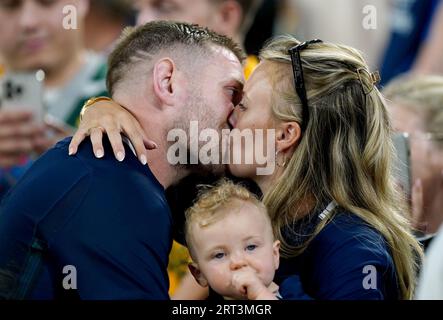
(23, 91)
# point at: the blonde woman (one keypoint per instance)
(331, 198)
(416, 107)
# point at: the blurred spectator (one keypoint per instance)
(229, 17)
(362, 24)
(33, 37)
(430, 286)
(430, 59)
(416, 106)
(104, 23)
(416, 38)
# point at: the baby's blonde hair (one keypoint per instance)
(215, 202)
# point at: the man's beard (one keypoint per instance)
(197, 109)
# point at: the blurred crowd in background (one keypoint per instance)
(403, 39)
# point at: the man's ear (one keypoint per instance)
(276, 253)
(287, 136)
(229, 17)
(163, 74)
(198, 275)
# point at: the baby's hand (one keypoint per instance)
(247, 282)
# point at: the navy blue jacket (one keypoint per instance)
(347, 260)
(108, 220)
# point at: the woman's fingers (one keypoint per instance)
(16, 146)
(115, 138)
(111, 120)
(7, 117)
(137, 142)
(19, 130)
(149, 144)
(97, 142)
(78, 137)
(140, 144)
(96, 136)
(99, 116)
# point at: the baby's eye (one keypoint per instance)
(219, 255)
(251, 247)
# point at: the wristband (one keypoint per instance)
(90, 102)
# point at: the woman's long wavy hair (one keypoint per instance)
(345, 153)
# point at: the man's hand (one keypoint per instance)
(111, 118)
(17, 136)
(249, 285)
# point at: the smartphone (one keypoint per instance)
(23, 91)
(402, 164)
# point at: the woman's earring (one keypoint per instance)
(276, 160)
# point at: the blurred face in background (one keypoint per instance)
(408, 120)
(221, 16)
(195, 11)
(32, 34)
(426, 163)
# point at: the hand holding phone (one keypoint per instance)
(23, 92)
(21, 117)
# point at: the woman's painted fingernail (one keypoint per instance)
(99, 153)
(71, 151)
(120, 156)
(143, 159)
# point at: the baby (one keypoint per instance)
(232, 245)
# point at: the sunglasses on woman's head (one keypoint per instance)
(299, 81)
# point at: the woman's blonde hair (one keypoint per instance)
(345, 152)
(422, 94)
